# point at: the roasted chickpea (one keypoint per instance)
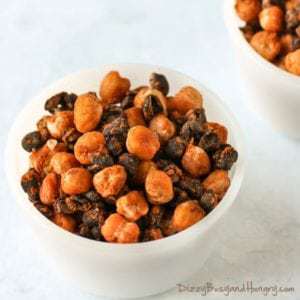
(132, 206)
(196, 161)
(218, 181)
(286, 41)
(113, 88)
(116, 229)
(248, 10)
(61, 162)
(87, 112)
(292, 62)
(271, 18)
(134, 116)
(142, 142)
(60, 123)
(159, 187)
(65, 221)
(89, 144)
(187, 98)
(163, 127)
(187, 214)
(142, 171)
(76, 181)
(109, 181)
(218, 129)
(267, 44)
(49, 190)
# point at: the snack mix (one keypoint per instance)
(133, 165)
(272, 27)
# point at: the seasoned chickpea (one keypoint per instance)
(87, 112)
(159, 187)
(248, 10)
(61, 162)
(65, 221)
(267, 44)
(49, 190)
(113, 88)
(142, 171)
(271, 18)
(142, 142)
(76, 181)
(60, 123)
(134, 116)
(163, 127)
(218, 181)
(292, 62)
(286, 41)
(187, 214)
(132, 206)
(109, 181)
(89, 144)
(116, 229)
(187, 98)
(218, 129)
(196, 161)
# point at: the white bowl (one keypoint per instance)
(122, 270)
(272, 92)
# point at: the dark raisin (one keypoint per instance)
(80, 198)
(151, 107)
(31, 179)
(111, 113)
(56, 102)
(291, 18)
(192, 186)
(44, 209)
(66, 206)
(155, 216)
(175, 147)
(91, 217)
(225, 157)
(32, 141)
(197, 115)
(42, 128)
(209, 141)
(96, 234)
(118, 127)
(173, 172)
(209, 200)
(130, 162)
(179, 196)
(115, 145)
(94, 168)
(103, 160)
(70, 138)
(152, 234)
(92, 196)
(268, 3)
(191, 129)
(159, 82)
(128, 100)
(295, 43)
(85, 231)
(69, 101)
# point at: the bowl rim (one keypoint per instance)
(156, 245)
(231, 20)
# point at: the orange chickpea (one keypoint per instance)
(292, 62)
(89, 144)
(142, 142)
(218, 181)
(61, 162)
(60, 123)
(163, 127)
(271, 18)
(286, 41)
(196, 161)
(134, 116)
(159, 187)
(132, 206)
(87, 112)
(248, 10)
(267, 44)
(65, 221)
(76, 181)
(49, 190)
(187, 214)
(109, 181)
(117, 230)
(218, 129)
(142, 171)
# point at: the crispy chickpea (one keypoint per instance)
(142, 171)
(113, 88)
(248, 10)
(218, 181)
(267, 44)
(271, 18)
(116, 229)
(218, 129)
(132, 206)
(60, 123)
(76, 181)
(286, 41)
(87, 112)
(65, 221)
(134, 116)
(61, 162)
(187, 98)
(292, 62)
(163, 127)
(89, 144)
(196, 161)
(49, 190)
(159, 187)
(142, 142)
(109, 181)
(187, 214)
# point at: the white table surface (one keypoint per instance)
(41, 41)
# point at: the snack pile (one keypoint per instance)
(273, 29)
(133, 165)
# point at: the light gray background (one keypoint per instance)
(41, 41)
